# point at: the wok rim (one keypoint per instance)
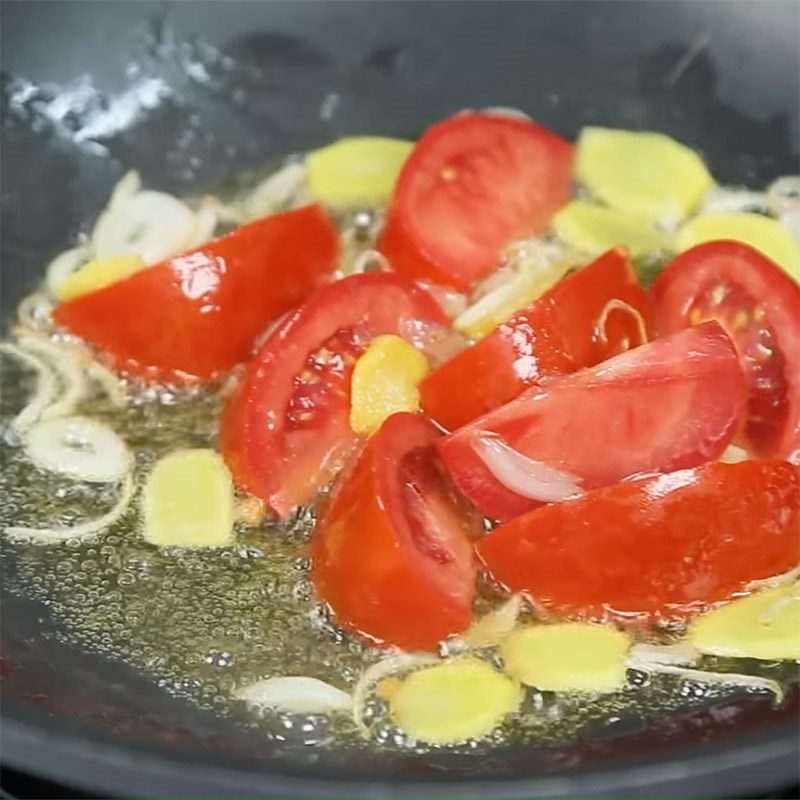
(75, 756)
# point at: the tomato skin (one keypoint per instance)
(665, 545)
(667, 405)
(759, 307)
(286, 462)
(472, 184)
(366, 563)
(197, 314)
(556, 334)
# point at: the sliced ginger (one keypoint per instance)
(567, 657)
(97, 274)
(764, 625)
(188, 501)
(464, 698)
(384, 382)
(767, 235)
(646, 174)
(356, 171)
(593, 228)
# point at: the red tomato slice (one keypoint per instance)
(473, 184)
(758, 304)
(286, 432)
(666, 545)
(197, 314)
(670, 404)
(560, 332)
(392, 552)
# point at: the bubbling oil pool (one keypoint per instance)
(202, 623)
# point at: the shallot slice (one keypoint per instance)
(524, 475)
(151, 224)
(63, 265)
(78, 447)
(295, 694)
(46, 388)
(83, 530)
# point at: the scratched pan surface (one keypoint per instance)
(189, 93)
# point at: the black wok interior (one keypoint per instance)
(240, 83)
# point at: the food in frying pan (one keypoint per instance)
(422, 436)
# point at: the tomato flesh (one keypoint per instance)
(558, 333)
(759, 306)
(665, 545)
(285, 432)
(392, 550)
(196, 315)
(670, 404)
(473, 184)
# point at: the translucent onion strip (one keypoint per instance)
(63, 265)
(79, 448)
(127, 186)
(523, 475)
(774, 580)
(492, 628)
(33, 312)
(295, 694)
(620, 305)
(277, 192)
(713, 678)
(643, 656)
(44, 395)
(153, 225)
(82, 530)
(67, 362)
(383, 669)
(783, 194)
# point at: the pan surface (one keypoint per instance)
(188, 93)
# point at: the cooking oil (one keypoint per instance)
(201, 623)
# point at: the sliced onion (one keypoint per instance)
(295, 694)
(523, 475)
(774, 580)
(78, 447)
(791, 220)
(383, 669)
(127, 186)
(439, 343)
(642, 656)
(718, 678)
(82, 530)
(783, 194)
(151, 224)
(721, 199)
(733, 455)
(44, 395)
(620, 305)
(68, 363)
(367, 261)
(205, 225)
(494, 627)
(33, 312)
(505, 111)
(111, 384)
(63, 265)
(452, 302)
(277, 192)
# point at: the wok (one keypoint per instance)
(188, 92)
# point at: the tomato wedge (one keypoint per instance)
(285, 432)
(196, 315)
(664, 545)
(670, 404)
(473, 184)
(560, 332)
(392, 551)
(758, 304)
